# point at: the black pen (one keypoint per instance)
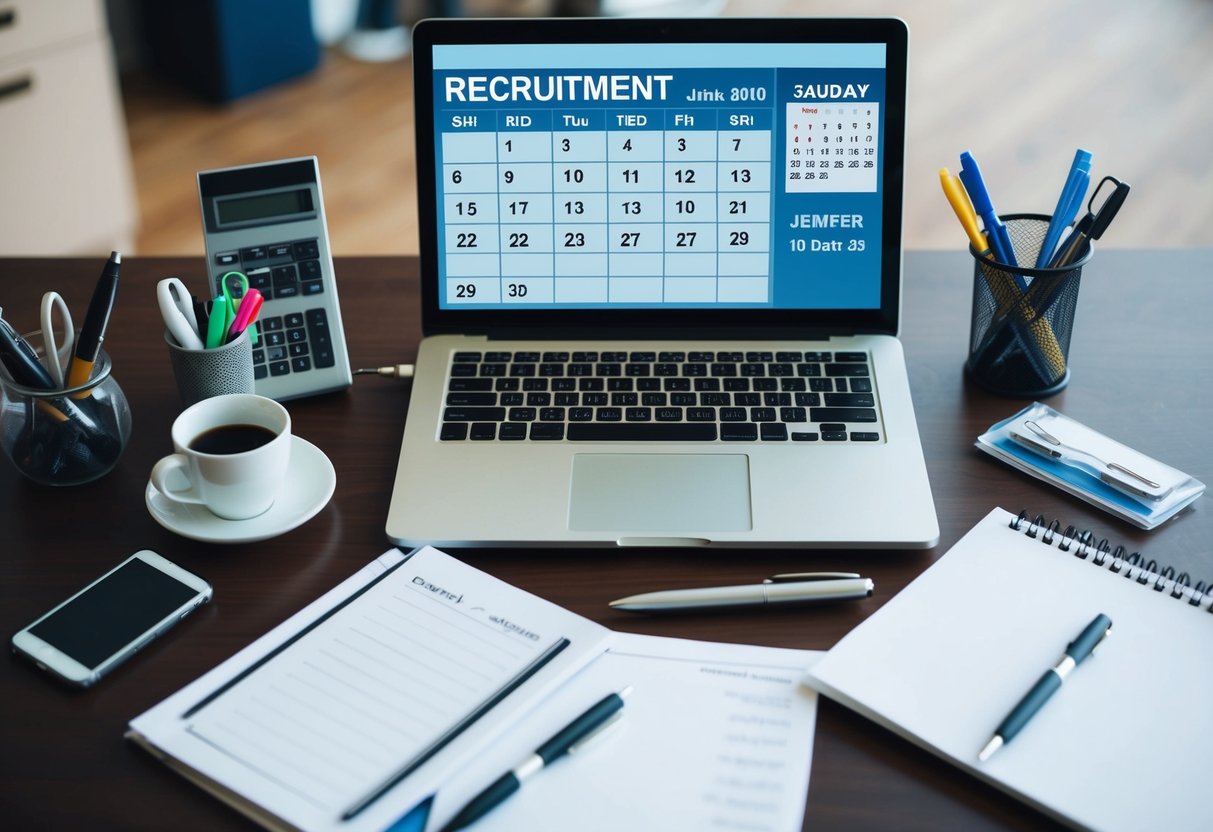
(565, 741)
(1077, 650)
(96, 319)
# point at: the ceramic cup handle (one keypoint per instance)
(162, 472)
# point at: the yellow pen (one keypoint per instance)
(959, 200)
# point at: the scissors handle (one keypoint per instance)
(57, 356)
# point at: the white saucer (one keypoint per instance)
(310, 482)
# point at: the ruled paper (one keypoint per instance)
(342, 710)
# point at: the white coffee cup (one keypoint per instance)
(232, 453)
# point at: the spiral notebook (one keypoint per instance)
(1126, 743)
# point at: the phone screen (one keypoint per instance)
(112, 613)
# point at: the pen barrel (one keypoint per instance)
(579, 728)
(1032, 702)
(839, 589)
(480, 805)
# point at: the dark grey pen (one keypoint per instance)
(1090, 638)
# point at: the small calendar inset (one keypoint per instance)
(831, 147)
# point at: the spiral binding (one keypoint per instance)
(1116, 560)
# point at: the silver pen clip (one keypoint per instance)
(790, 577)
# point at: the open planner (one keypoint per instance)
(1125, 743)
(394, 698)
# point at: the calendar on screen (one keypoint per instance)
(659, 175)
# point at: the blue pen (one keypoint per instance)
(1072, 194)
(996, 232)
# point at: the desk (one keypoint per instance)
(1141, 357)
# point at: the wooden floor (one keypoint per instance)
(1021, 85)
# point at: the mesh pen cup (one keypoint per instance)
(64, 437)
(1019, 336)
(201, 374)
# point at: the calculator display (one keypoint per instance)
(659, 175)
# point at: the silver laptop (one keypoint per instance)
(661, 275)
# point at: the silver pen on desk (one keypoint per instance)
(790, 588)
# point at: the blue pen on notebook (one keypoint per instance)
(1072, 195)
(996, 232)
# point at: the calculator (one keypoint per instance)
(266, 221)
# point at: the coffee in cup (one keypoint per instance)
(231, 455)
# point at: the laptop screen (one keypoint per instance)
(696, 170)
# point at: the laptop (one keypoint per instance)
(661, 276)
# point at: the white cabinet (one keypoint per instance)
(65, 171)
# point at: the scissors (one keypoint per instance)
(177, 309)
(57, 357)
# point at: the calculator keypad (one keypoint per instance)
(298, 341)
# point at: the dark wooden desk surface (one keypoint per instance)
(1141, 360)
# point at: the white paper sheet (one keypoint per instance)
(714, 736)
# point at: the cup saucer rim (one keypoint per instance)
(312, 481)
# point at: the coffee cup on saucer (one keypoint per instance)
(231, 456)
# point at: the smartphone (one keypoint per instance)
(108, 621)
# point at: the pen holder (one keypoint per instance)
(1019, 336)
(64, 437)
(201, 374)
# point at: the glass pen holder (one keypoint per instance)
(69, 436)
(1019, 336)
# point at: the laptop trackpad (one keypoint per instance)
(685, 493)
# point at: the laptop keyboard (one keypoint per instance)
(694, 396)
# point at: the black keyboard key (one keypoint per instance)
(807, 399)
(301, 364)
(608, 414)
(789, 357)
(864, 436)
(470, 384)
(851, 357)
(581, 414)
(595, 399)
(804, 436)
(638, 414)
(834, 435)
(733, 414)
(512, 400)
(773, 432)
(517, 414)
(473, 414)
(842, 414)
(534, 384)
(765, 384)
(846, 369)
(478, 399)
(641, 357)
(286, 291)
(312, 288)
(551, 414)
(306, 250)
(547, 431)
(762, 414)
(280, 368)
(739, 432)
(321, 337)
(483, 431)
(511, 431)
(792, 414)
(465, 357)
(498, 357)
(849, 400)
(506, 385)
(309, 270)
(808, 370)
(260, 372)
(284, 275)
(453, 431)
(642, 432)
(701, 414)
(861, 385)
(555, 357)
(582, 357)
(667, 357)
(668, 414)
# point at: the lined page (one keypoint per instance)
(343, 710)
